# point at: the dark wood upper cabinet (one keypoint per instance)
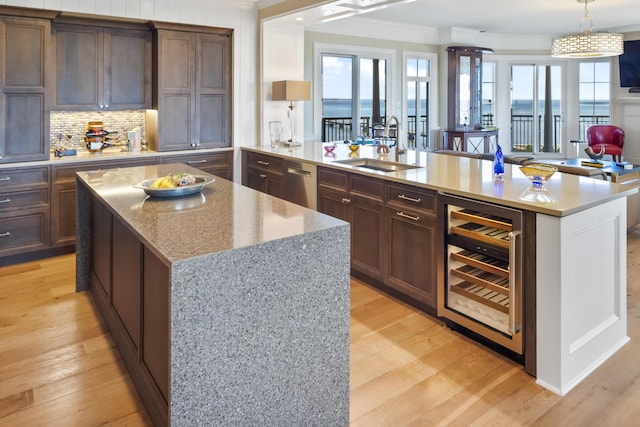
(102, 68)
(25, 89)
(192, 91)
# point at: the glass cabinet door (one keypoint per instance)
(465, 87)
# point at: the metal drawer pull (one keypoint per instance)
(346, 201)
(298, 172)
(513, 297)
(5, 234)
(409, 216)
(411, 199)
(6, 178)
(195, 162)
(262, 176)
(5, 201)
(262, 162)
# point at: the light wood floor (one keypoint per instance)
(58, 366)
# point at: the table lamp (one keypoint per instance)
(291, 90)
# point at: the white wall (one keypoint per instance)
(211, 13)
(282, 56)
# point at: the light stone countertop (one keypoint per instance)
(224, 216)
(466, 177)
(114, 153)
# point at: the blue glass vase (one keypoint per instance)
(498, 162)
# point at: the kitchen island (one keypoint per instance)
(574, 294)
(223, 304)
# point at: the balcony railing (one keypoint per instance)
(522, 132)
(341, 128)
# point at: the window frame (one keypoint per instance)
(357, 52)
(432, 94)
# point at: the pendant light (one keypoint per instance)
(587, 44)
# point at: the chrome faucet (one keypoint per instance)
(399, 150)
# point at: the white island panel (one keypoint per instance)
(581, 293)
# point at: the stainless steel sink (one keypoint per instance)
(377, 165)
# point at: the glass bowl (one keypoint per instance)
(329, 147)
(354, 147)
(538, 173)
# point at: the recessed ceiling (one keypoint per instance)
(540, 17)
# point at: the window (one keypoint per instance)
(595, 97)
(353, 96)
(536, 108)
(418, 80)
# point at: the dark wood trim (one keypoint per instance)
(160, 25)
(73, 18)
(25, 12)
(529, 290)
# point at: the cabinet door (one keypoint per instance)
(24, 89)
(126, 285)
(176, 87)
(336, 204)
(412, 254)
(101, 248)
(24, 231)
(63, 214)
(156, 309)
(63, 196)
(127, 69)
(367, 236)
(213, 91)
(78, 65)
(266, 182)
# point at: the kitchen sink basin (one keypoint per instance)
(377, 165)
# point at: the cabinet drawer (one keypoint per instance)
(260, 161)
(24, 231)
(333, 178)
(68, 172)
(24, 198)
(369, 187)
(404, 196)
(10, 178)
(219, 164)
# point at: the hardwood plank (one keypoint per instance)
(59, 367)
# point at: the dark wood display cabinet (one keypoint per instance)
(102, 68)
(464, 101)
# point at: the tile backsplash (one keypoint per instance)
(74, 123)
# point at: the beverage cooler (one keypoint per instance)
(482, 289)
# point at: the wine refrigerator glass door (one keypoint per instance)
(483, 270)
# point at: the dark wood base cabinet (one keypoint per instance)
(393, 231)
(262, 172)
(24, 210)
(131, 288)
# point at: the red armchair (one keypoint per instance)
(608, 136)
